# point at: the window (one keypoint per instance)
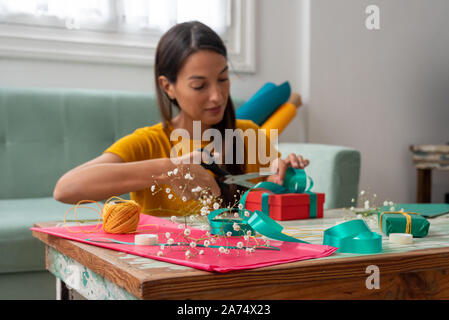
(118, 31)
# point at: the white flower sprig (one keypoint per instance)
(370, 205)
(190, 212)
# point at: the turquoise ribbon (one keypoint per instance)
(353, 236)
(223, 226)
(266, 226)
(296, 181)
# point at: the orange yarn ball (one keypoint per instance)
(121, 216)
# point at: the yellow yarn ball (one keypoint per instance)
(121, 216)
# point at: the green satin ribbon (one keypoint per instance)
(353, 236)
(296, 181)
(223, 226)
(266, 226)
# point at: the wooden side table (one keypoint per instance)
(427, 158)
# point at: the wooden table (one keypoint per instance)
(427, 158)
(420, 271)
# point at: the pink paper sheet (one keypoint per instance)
(211, 260)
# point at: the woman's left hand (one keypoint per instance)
(280, 166)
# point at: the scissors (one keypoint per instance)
(227, 178)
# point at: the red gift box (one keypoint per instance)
(288, 206)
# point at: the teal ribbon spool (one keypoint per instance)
(296, 181)
(353, 236)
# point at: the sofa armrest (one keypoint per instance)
(335, 170)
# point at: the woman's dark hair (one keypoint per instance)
(175, 46)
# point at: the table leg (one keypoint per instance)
(424, 185)
(62, 291)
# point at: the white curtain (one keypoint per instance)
(74, 13)
(164, 14)
(131, 14)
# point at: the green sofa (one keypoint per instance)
(46, 132)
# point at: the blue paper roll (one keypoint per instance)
(264, 102)
(266, 87)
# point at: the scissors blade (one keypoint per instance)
(241, 178)
(244, 183)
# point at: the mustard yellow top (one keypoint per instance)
(154, 142)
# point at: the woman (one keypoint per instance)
(191, 75)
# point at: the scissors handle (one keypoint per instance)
(212, 166)
(215, 169)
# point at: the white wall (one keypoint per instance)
(377, 91)
(277, 56)
(381, 91)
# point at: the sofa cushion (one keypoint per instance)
(19, 250)
(46, 132)
(335, 170)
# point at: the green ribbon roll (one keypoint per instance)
(353, 237)
(296, 181)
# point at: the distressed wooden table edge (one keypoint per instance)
(131, 281)
(192, 280)
(87, 283)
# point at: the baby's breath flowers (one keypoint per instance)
(205, 211)
(370, 206)
(195, 211)
(369, 210)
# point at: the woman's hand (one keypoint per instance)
(280, 166)
(192, 179)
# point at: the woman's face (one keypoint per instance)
(201, 88)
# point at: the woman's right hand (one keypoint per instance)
(191, 179)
